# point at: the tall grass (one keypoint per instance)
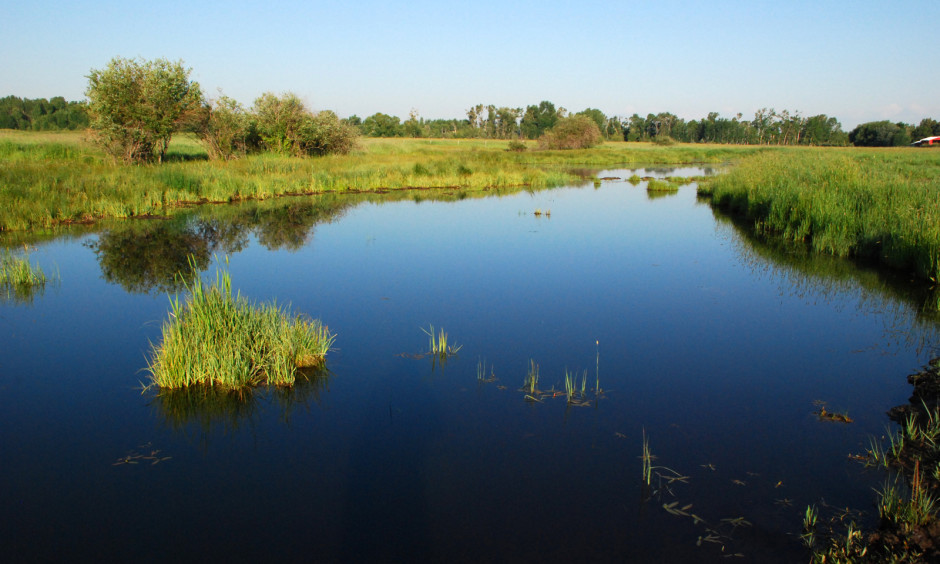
(882, 205)
(215, 338)
(19, 280)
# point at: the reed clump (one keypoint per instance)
(19, 279)
(215, 338)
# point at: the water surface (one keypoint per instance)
(714, 346)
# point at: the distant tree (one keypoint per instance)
(414, 125)
(575, 132)
(381, 125)
(538, 119)
(135, 106)
(879, 134)
(927, 128)
(598, 116)
(41, 115)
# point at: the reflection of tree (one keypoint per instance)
(203, 410)
(149, 255)
(908, 309)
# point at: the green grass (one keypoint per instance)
(48, 180)
(438, 344)
(19, 280)
(216, 338)
(878, 204)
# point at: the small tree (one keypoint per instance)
(574, 132)
(135, 106)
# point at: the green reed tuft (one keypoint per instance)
(19, 280)
(215, 338)
(438, 344)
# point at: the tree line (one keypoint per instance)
(41, 115)
(134, 107)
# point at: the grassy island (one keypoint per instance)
(218, 339)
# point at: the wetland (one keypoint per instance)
(634, 377)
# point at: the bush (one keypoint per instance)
(664, 140)
(227, 130)
(575, 132)
(286, 126)
(516, 146)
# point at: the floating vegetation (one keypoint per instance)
(658, 482)
(909, 528)
(150, 456)
(576, 392)
(835, 416)
(19, 280)
(216, 338)
(538, 212)
(482, 376)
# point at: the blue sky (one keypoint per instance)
(858, 61)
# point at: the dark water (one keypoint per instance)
(714, 346)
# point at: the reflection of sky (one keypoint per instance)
(714, 359)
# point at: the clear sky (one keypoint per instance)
(856, 60)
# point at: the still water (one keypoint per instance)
(716, 348)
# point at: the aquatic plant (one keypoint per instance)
(438, 344)
(19, 280)
(655, 185)
(215, 338)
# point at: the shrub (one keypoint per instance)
(664, 140)
(517, 146)
(226, 129)
(286, 126)
(574, 132)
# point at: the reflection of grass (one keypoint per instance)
(218, 339)
(19, 280)
(212, 407)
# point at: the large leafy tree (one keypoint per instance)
(135, 106)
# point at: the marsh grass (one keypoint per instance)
(439, 345)
(880, 205)
(20, 281)
(656, 185)
(215, 338)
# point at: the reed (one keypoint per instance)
(438, 344)
(881, 205)
(215, 338)
(19, 280)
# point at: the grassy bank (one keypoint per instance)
(879, 204)
(53, 179)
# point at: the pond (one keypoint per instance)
(714, 349)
